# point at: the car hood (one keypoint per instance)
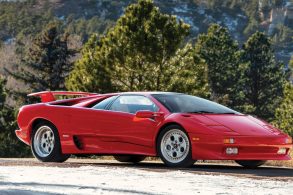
(244, 124)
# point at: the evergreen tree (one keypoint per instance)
(284, 112)
(10, 146)
(291, 69)
(46, 64)
(136, 54)
(88, 73)
(221, 54)
(187, 73)
(265, 77)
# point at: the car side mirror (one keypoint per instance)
(147, 114)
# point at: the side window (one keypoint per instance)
(102, 104)
(132, 104)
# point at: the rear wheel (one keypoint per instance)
(45, 143)
(250, 163)
(174, 147)
(129, 158)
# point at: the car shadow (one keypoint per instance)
(199, 168)
(213, 169)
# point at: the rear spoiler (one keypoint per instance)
(49, 96)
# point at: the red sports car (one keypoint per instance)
(178, 128)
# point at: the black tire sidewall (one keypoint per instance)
(188, 161)
(56, 154)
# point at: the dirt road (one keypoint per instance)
(87, 176)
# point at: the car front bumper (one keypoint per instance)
(208, 147)
(23, 136)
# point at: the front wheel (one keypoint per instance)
(250, 163)
(45, 143)
(174, 148)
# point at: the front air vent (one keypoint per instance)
(77, 142)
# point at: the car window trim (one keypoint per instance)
(110, 103)
(105, 108)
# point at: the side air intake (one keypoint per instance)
(77, 142)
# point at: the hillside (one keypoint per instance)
(275, 17)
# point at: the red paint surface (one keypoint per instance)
(112, 132)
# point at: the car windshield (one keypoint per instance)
(190, 104)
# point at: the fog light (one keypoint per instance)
(229, 141)
(282, 151)
(231, 150)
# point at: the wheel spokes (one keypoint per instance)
(175, 145)
(44, 141)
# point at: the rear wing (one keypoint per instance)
(49, 96)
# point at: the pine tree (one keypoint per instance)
(265, 77)
(284, 112)
(221, 54)
(46, 64)
(88, 73)
(10, 146)
(187, 73)
(291, 69)
(136, 54)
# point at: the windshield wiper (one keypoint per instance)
(200, 111)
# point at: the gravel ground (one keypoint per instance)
(18, 176)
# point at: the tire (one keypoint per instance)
(45, 143)
(129, 158)
(174, 147)
(250, 163)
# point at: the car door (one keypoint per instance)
(127, 131)
(110, 126)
